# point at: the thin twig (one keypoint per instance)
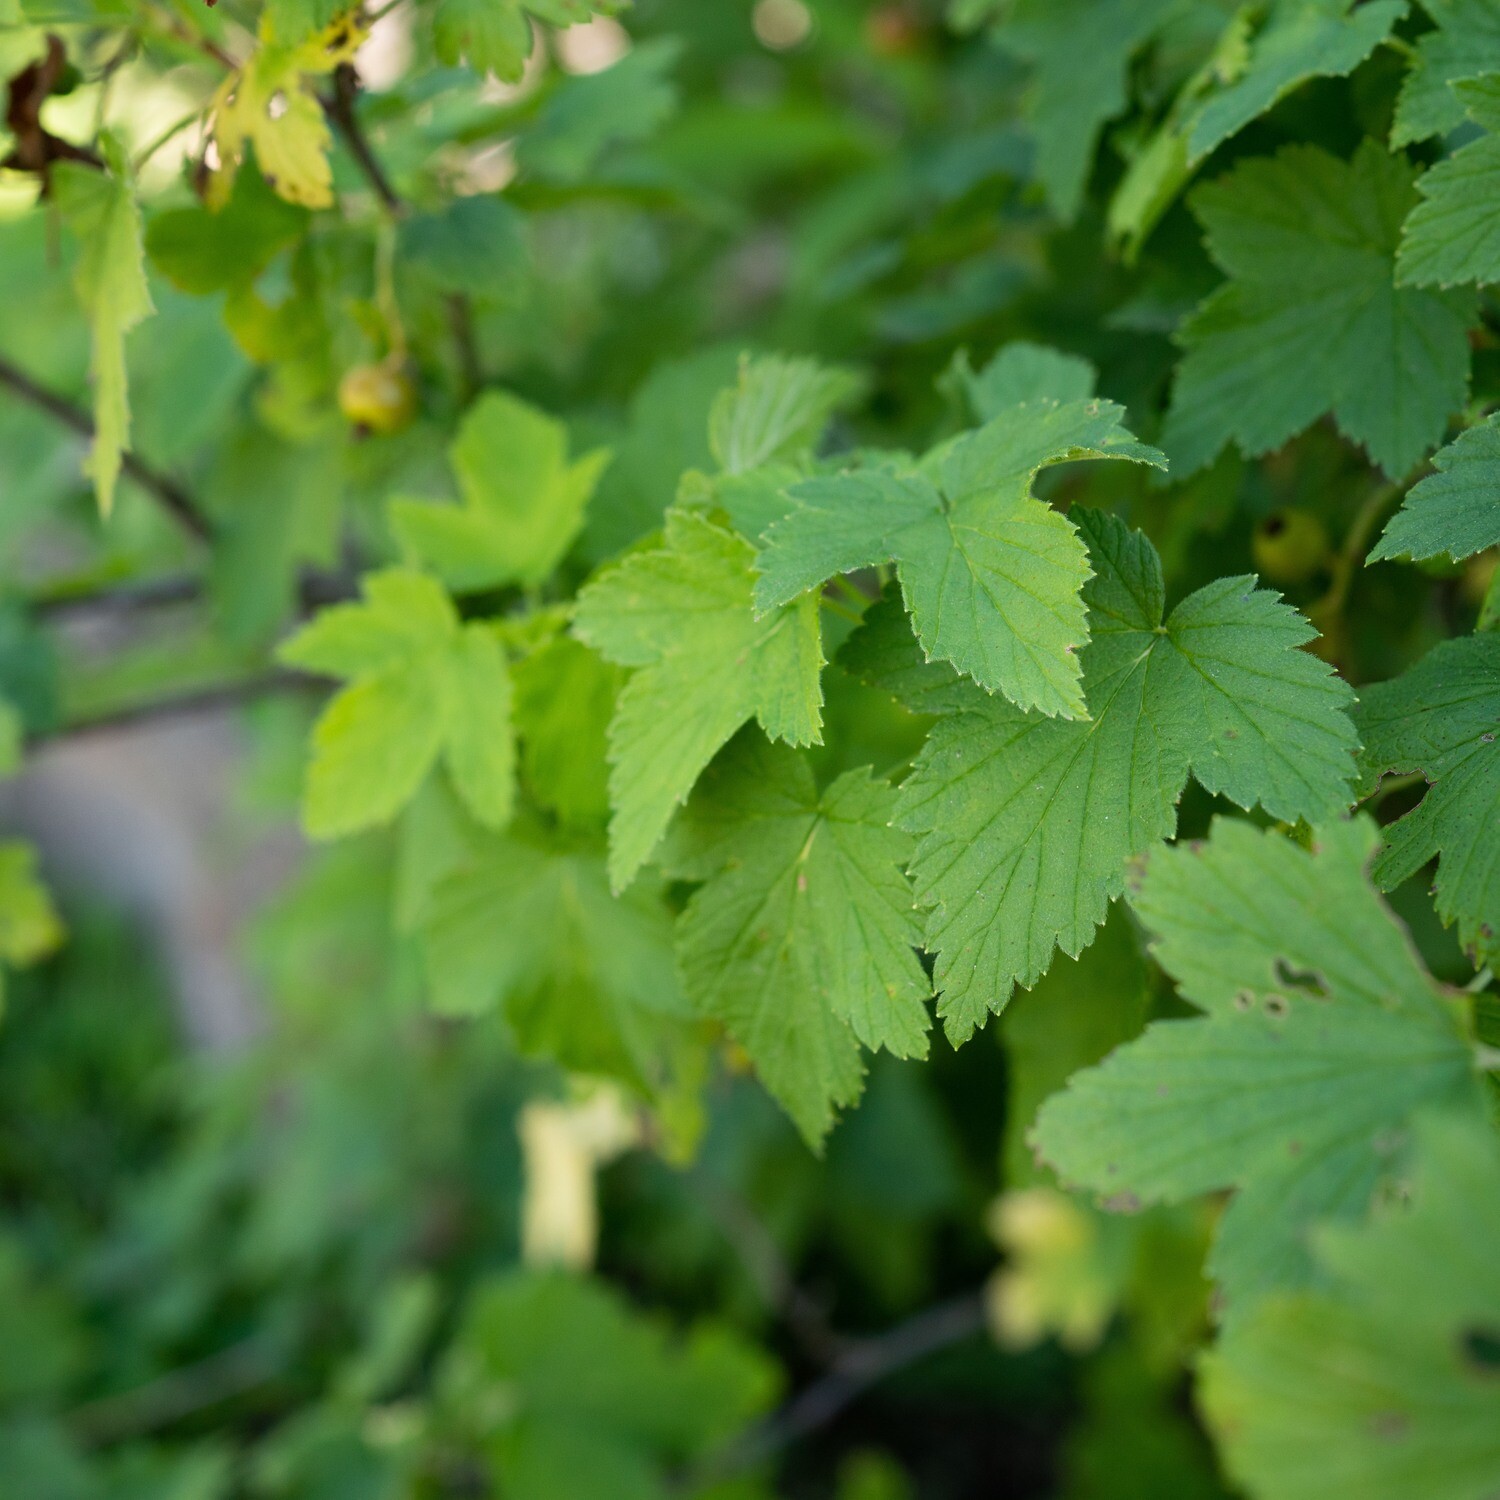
(124, 597)
(171, 495)
(1352, 553)
(767, 1268)
(316, 587)
(198, 700)
(864, 1363)
(175, 1395)
(339, 107)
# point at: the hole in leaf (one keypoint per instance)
(1300, 981)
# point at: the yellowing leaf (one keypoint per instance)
(272, 105)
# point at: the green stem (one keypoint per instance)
(1352, 553)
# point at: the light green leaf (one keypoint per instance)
(12, 738)
(523, 502)
(110, 279)
(1442, 718)
(421, 685)
(1323, 1037)
(1026, 823)
(802, 941)
(1456, 511)
(991, 574)
(776, 411)
(1465, 44)
(1301, 39)
(681, 615)
(1311, 320)
(1021, 372)
(294, 20)
(494, 36)
(565, 698)
(30, 927)
(475, 712)
(1382, 1382)
(1453, 235)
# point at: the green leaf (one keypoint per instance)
(475, 245)
(991, 574)
(776, 411)
(420, 685)
(1080, 51)
(1080, 1010)
(1311, 320)
(626, 103)
(523, 501)
(1382, 1382)
(600, 1401)
(12, 738)
(295, 20)
(494, 36)
(526, 924)
(201, 250)
(666, 434)
(110, 279)
(1026, 823)
(803, 938)
(681, 615)
(565, 698)
(1465, 44)
(1442, 718)
(1453, 235)
(1022, 372)
(1301, 39)
(883, 653)
(1456, 511)
(30, 927)
(1323, 1038)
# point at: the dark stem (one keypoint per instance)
(175, 1395)
(123, 598)
(339, 108)
(768, 1269)
(316, 587)
(864, 1363)
(216, 696)
(171, 495)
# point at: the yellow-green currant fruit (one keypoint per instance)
(378, 398)
(1290, 546)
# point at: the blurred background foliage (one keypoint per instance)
(297, 1271)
